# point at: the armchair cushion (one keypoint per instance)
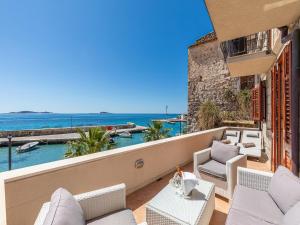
(292, 217)
(221, 152)
(64, 209)
(284, 189)
(213, 168)
(256, 203)
(122, 217)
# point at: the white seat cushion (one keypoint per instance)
(292, 217)
(64, 210)
(253, 151)
(284, 189)
(256, 203)
(214, 169)
(236, 217)
(123, 217)
(222, 152)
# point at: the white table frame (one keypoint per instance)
(169, 208)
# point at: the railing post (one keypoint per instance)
(9, 151)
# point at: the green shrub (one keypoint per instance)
(229, 115)
(229, 95)
(241, 105)
(208, 115)
(245, 106)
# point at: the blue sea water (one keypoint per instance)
(24, 121)
(49, 153)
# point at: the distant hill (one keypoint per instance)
(30, 112)
(105, 113)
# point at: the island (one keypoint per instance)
(30, 112)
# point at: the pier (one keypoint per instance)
(172, 120)
(62, 138)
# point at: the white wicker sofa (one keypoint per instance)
(261, 198)
(222, 173)
(105, 206)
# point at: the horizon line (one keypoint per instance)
(47, 112)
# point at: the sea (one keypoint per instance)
(49, 153)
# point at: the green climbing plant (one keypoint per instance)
(245, 106)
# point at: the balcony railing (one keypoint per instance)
(253, 43)
(23, 191)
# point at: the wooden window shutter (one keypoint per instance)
(287, 93)
(287, 160)
(256, 104)
(273, 108)
(259, 102)
(263, 104)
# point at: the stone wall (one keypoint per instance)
(208, 78)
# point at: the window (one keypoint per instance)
(247, 82)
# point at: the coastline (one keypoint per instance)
(62, 130)
(62, 135)
(54, 147)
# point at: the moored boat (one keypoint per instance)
(112, 141)
(27, 147)
(125, 134)
(171, 122)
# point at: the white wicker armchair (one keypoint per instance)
(95, 203)
(223, 188)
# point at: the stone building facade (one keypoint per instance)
(208, 78)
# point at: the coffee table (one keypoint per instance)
(170, 208)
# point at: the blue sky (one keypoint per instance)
(97, 55)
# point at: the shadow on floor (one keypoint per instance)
(264, 158)
(143, 195)
(218, 218)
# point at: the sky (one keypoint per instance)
(85, 56)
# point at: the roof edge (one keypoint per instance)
(209, 37)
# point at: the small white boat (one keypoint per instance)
(171, 122)
(125, 134)
(27, 147)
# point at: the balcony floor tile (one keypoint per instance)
(137, 200)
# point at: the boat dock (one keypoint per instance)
(172, 120)
(62, 138)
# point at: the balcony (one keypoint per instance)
(233, 19)
(137, 200)
(23, 191)
(252, 54)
